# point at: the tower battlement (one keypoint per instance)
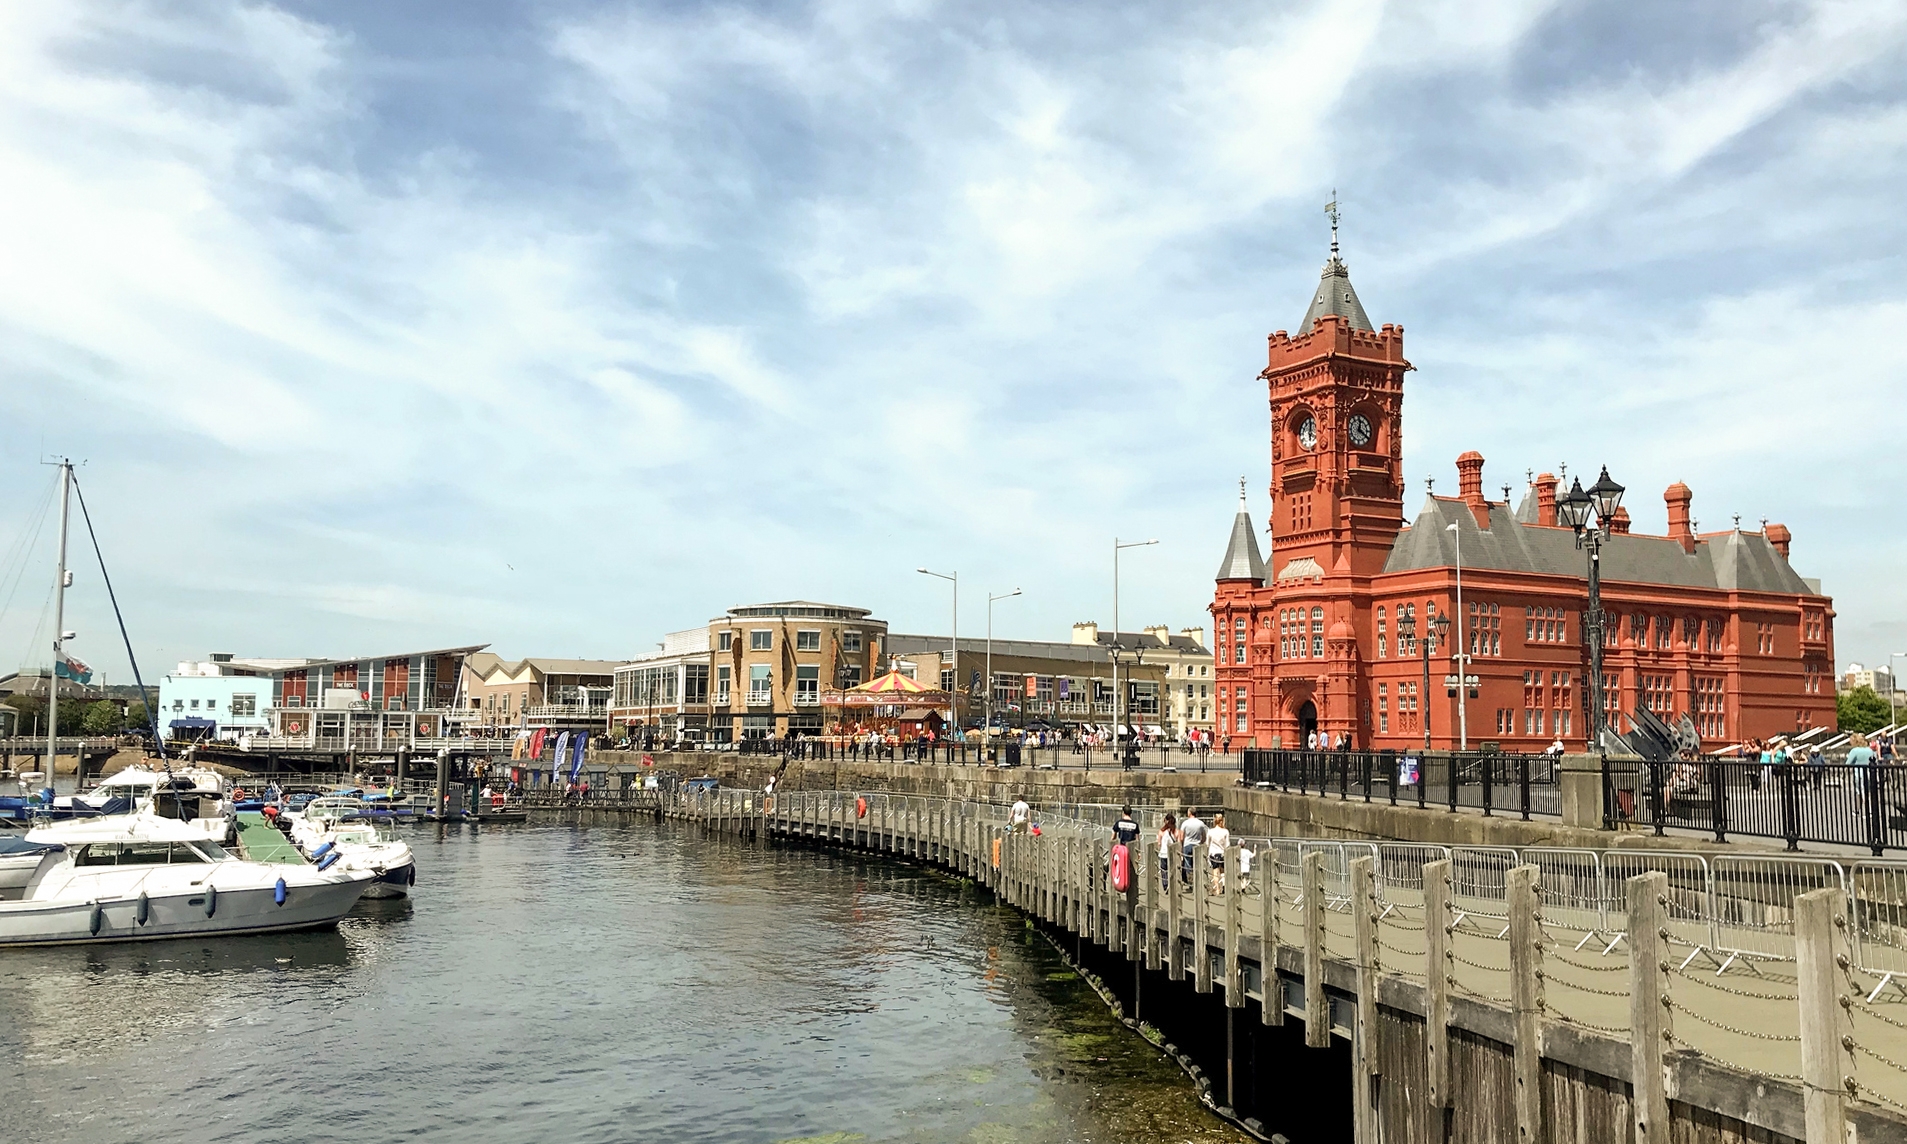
(1331, 335)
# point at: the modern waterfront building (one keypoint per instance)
(537, 691)
(763, 669)
(1328, 634)
(371, 703)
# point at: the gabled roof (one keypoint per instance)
(1730, 561)
(1242, 561)
(1335, 296)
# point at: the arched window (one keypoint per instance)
(1317, 633)
(1380, 633)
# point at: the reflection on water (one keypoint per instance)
(602, 984)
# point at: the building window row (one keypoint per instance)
(1658, 694)
(1710, 707)
(1545, 625)
(1486, 629)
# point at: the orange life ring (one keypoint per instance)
(294, 727)
(860, 807)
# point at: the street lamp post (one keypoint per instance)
(1893, 690)
(953, 645)
(991, 600)
(1118, 697)
(1576, 509)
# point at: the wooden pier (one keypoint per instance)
(1430, 993)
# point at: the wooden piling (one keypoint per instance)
(1821, 949)
(1437, 982)
(1649, 1030)
(1233, 926)
(1364, 1054)
(1317, 1012)
(1526, 1002)
(1271, 988)
(1201, 914)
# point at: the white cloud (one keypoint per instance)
(725, 302)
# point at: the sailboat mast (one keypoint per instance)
(59, 628)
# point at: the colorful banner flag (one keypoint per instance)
(582, 744)
(556, 758)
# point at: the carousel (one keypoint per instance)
(891, 705)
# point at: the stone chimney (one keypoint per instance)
(1196, 635)
(1159, 632)
(1779, 536)
(1678, 497)
(1619, 523)
(1470, 487)
(1086, 633)
(1546, 499)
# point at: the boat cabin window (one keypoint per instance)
(137, 854)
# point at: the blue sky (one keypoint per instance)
(559, 326)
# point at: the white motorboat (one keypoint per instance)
(330, 824)
(140, 876)
(18, 859)
(197, 796)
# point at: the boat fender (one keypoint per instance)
(330, 860)
(278, 892)
(211, 900)
(410, 876)
(97, 919)
(860, 808)
(144, 910)
(321, 851)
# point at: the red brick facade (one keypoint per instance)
(1717, 626)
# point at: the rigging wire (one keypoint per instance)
(152, 705)
(19, 555)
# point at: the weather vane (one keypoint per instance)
(1331, 212)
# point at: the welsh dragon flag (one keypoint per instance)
(67, 667)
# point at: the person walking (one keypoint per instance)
(1191, 841)
(1125, 832)
(1018, 816)
(1216, 840)
(1817, 765)
(1168, 841)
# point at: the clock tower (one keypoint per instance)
(1337, 397)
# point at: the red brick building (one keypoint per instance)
(1715, 625)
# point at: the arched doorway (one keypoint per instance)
(1307, 722)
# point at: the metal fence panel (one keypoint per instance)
(1751, 902)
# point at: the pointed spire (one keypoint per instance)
(1335, 295)
(1242, 561)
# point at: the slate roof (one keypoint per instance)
(1242, 561)
(1335, 296)
(1729, 561)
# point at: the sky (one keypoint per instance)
(558, 326)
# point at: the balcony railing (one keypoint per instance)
(761, 699)
(807, 699)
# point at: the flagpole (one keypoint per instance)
(59, 631)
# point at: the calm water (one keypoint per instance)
(592, 984)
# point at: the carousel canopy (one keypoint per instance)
(892, 688)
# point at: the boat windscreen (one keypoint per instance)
(137, 854)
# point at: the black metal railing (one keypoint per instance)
(1831, 803)
(1494, 783)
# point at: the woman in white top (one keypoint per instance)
(1168, 842)
(1216, 839)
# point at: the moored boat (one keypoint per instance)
(141, 877)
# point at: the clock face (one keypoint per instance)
(1360, 430)
(1308, 433)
